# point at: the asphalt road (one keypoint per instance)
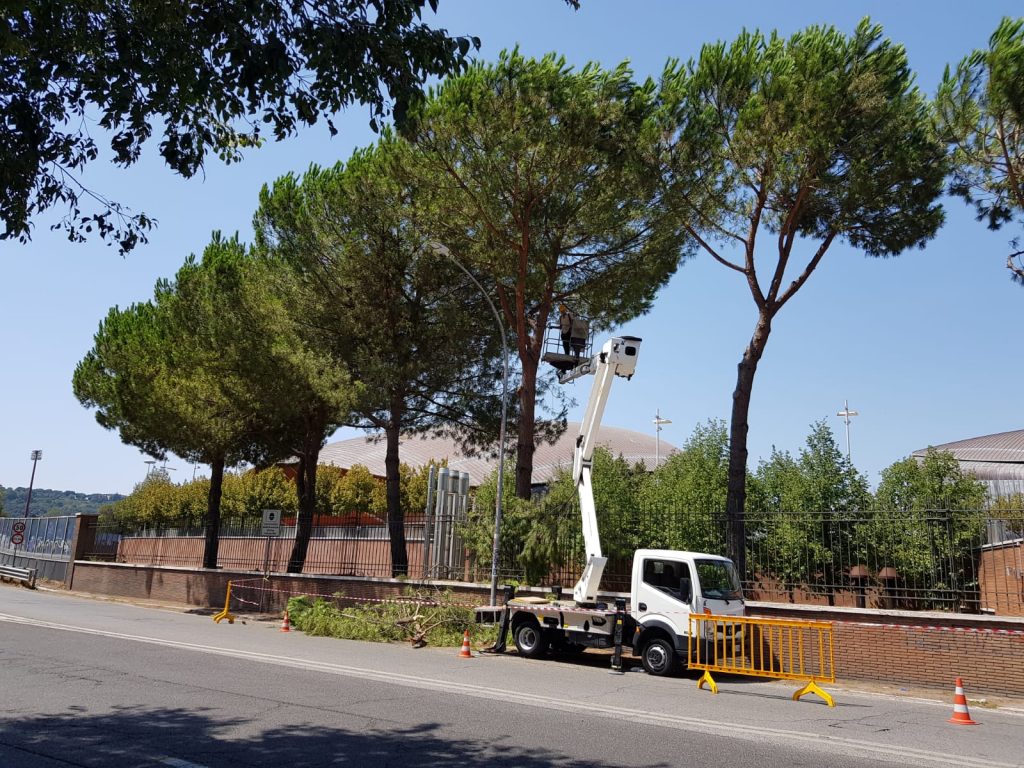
(93, 683)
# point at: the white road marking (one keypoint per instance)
(889, 752)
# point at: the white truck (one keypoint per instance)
(666, 585)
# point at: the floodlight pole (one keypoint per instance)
(35, 456)
(846, 413)
(444, 251)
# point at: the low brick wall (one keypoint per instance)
(368, 557)
(926, 649)
(204, 588)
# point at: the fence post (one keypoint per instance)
(82, 542)
(458, 547)
(428, 523)
(439, 508)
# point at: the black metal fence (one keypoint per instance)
(351, 546)
(937, 559)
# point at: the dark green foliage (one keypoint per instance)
(214, 77)
(810, 519)
(158, 501)
(48, 503)
(378, 299)
(795, 506)
(934, 482)
(796, 143)
(821, 478)
(212, 370)
(671, 508)
(688, 488)
(534, 176)
(930, 521)
(979, 112)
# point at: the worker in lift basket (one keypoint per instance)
(565, 322)
(578, 336)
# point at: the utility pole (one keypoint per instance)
(846, 413)
(658, 421)
(36, 456)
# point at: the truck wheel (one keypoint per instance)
(530, 640)
(659, 657)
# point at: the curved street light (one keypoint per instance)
(443, 250)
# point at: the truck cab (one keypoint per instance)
(667, 586)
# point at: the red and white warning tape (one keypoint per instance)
(255, 585)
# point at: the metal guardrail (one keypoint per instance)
(27, 575)
(773, 648)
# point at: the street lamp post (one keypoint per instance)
(443, 250)
(846, 413)
(658, 421)
(36, 456)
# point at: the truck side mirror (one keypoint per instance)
(685, 590)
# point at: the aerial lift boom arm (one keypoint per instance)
(616, 358)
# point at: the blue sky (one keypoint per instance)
(917, 344)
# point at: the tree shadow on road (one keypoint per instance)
(154, 738)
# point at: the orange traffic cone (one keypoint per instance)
(465, 653)
(285, 625)
(961, 715)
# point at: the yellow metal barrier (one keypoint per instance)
(226, 614)
(775, 648)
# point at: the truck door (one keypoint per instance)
(665, 593)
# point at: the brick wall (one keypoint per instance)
(367, 557)
(1001, 578)
(252, 593)
(926, 649)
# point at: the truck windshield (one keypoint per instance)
(718, 580)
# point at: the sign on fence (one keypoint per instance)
(271, 522)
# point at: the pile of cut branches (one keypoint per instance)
(420, 617)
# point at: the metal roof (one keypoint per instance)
(1003, 447)
(547, 459)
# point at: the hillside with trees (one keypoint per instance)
(48, 503)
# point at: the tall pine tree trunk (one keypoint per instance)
(737, 488)
(396, 515)
(527, 429)
(213, 513)
(305, 484)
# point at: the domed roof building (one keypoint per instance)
(417, 450)
(996, 460)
